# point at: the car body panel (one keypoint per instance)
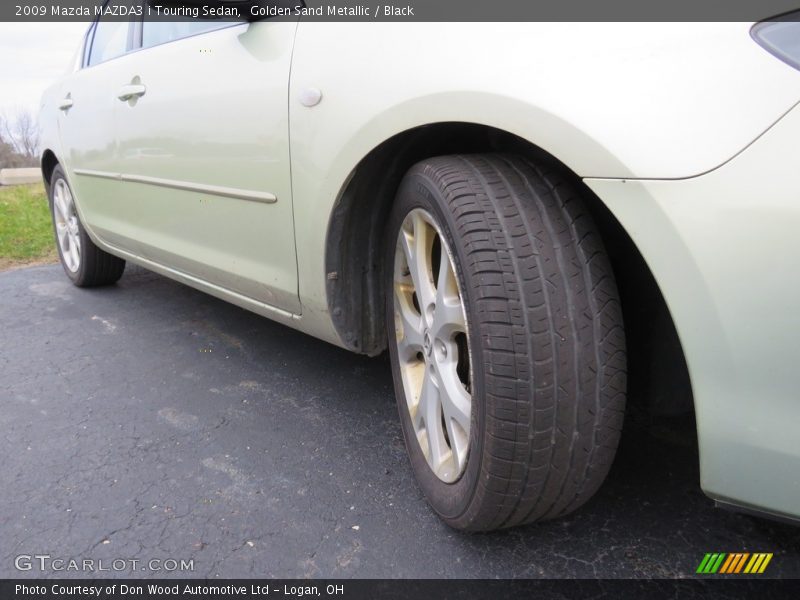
(643, 100)
(725, 250)
(140, 192)
(89, 126)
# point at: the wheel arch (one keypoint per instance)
(354, 261)
(48, 164)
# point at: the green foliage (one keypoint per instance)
(26, 232)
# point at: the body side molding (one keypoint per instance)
(214, 190)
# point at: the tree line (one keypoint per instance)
(19, 140)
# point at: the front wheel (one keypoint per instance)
(506, 339)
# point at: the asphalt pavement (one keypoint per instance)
(150, 421)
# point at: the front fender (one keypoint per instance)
(624, 100)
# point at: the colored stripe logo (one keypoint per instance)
(734, 563)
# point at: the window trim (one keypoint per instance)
(186, 37)
(137, 31)
(86, 49)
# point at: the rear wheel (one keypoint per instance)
(506, 339)
(84, 263)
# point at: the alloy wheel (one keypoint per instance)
(432, 344)
(67, 231)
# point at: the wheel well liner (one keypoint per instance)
(49, 162)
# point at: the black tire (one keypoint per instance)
(545, 333)
(95, 267)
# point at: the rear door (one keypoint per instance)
(201, 127)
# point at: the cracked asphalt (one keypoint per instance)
(150, 421)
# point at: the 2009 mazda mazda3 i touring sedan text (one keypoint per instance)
(527, 216)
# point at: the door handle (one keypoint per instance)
(65, 104)
(131, 91)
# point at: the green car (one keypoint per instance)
(524, 215)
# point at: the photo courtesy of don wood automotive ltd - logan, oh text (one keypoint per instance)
(421, 299)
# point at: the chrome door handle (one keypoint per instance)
(65, 104)
(130, 91)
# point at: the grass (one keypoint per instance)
(26, 233)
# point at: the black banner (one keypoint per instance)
(400, 11)
(372, 589)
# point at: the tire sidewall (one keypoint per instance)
(449, 500)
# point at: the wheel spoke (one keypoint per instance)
(446, 284)
(427, 397)
(74, 255)
(456, 401)
(57, 192)
(448, 319)
(62, 233)
(449, 315)
(454, 394)
(433, 427)
(416, 246)
(66, 253)
(459, 444)
(410, 342)
(60, 206)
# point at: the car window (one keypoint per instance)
(154, 33)
(110, 39)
